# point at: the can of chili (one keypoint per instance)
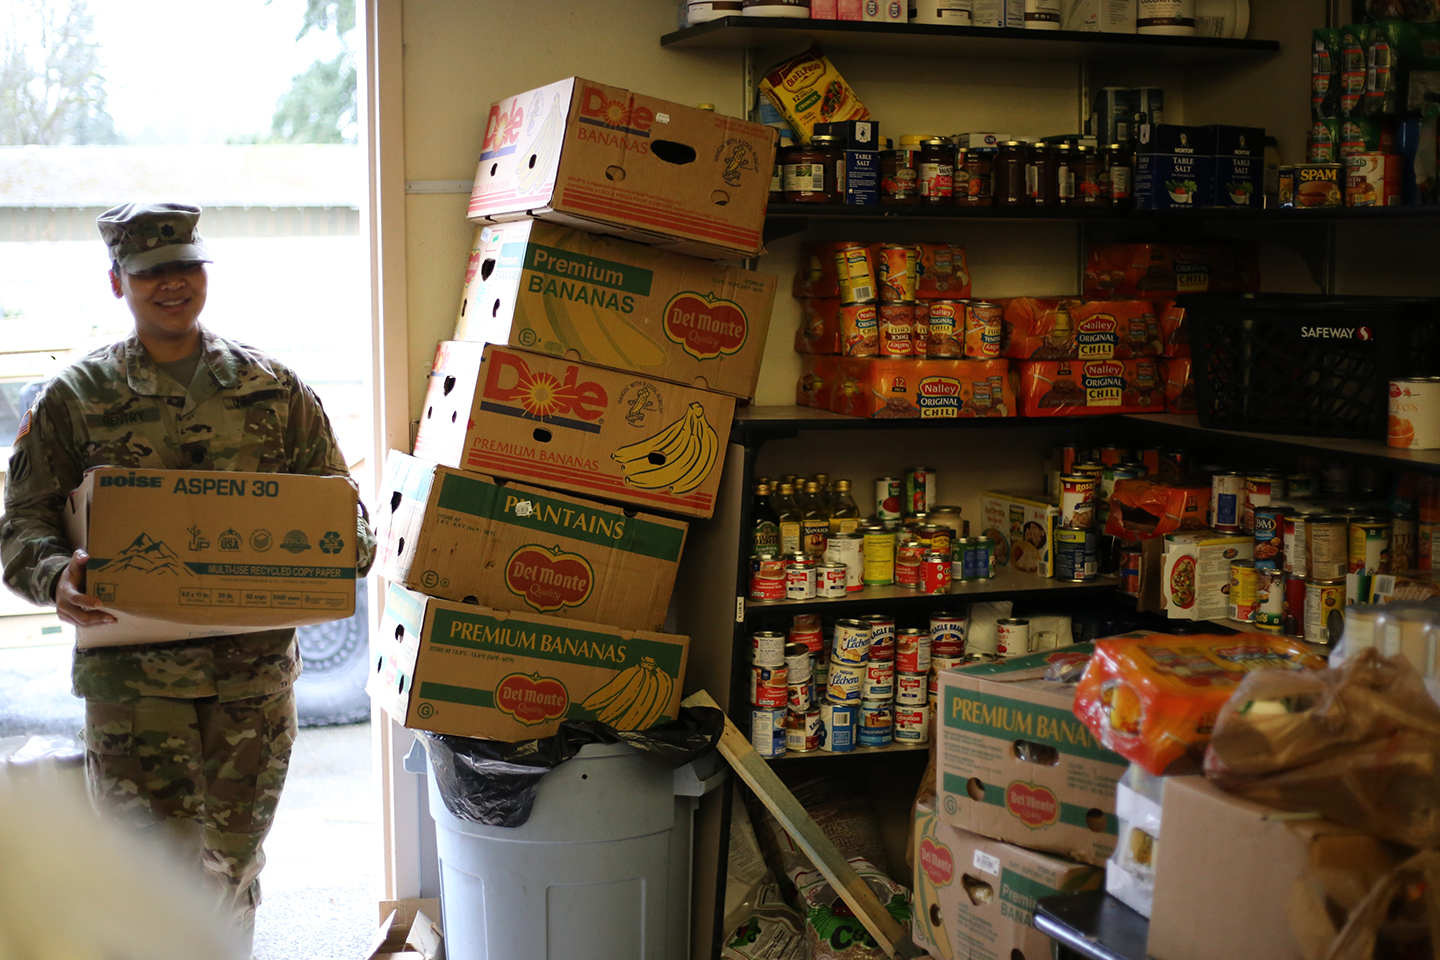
(982, 329)
(899, 272)
(947, 325)
(855, 271)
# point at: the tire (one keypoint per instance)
(336, 655)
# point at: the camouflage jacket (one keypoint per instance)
(117, 408)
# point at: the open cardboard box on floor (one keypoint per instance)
(1014, 762)
(510, 546)
(475, 672)
(176, 554)
(607, 160)
(570, 426)
(600, 300)
(409, 930)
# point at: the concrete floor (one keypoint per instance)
(322, 879)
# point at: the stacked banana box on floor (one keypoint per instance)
(1024, 807)
(592, 377)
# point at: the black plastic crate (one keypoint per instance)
(1309, 365)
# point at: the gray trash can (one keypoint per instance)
(600, 871)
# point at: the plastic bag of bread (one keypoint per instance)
(1359, 744)
(1153, 698)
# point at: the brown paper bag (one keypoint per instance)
(1401, 911)
(1359, 744)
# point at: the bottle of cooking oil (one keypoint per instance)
(815, 528)
(789, 517)
(823, 480)
(844, 514)
(765, 523)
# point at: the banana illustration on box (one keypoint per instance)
(634, 699)
(679, 457)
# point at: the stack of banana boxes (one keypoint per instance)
(581, 410)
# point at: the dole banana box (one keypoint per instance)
(470, 671)
(606, 160)
(181, 554)
(1014, 762)
(975, 897)
(617, 436)
(510, 546)
(556, 290)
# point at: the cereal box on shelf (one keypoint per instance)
(1061, 328)
(1066, 388)
(1162, 270)
(881, 388)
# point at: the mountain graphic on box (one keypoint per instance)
(148, 556)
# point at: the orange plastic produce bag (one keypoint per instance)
(1153, 698)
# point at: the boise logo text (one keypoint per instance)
(624, 115)
(531, 698)
(705, 325)
(548, 578)
(509, 379)
(128, 480)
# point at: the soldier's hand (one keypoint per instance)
(72, 605)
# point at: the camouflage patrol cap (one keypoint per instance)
(143, 236)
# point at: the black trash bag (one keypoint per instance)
(493, 783)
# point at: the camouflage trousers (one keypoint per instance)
(200, 773)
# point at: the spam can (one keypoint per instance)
(1319, 185)
(837, 726)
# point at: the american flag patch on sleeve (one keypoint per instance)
(24, 426)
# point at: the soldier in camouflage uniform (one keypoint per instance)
(189, 738)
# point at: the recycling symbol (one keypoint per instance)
(331, 542)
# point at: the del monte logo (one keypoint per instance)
(548, 578)
(531, 698)
(705, 325)
(937, 862)
(1034, 805)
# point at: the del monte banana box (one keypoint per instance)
(1014, 762)
(607, 160)
(180, 554)
(975, 897)
(616, 304)
(467, 670)
(510, 546)
(618, 436)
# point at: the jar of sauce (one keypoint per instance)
(898, 178)
(1119, 174)
(1010, 168)
(1064, 174)
(1090, 190)
(979, 169)
(936, 166)
(814, 173)
(777, 177)
(910, 145)
(1040, 176)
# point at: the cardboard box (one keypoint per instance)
(882, 388)
(607, 160)
(975, 897)
(1070, 388)
(180, 554)
(555, 290)
(475, 672)
(1062, 328)
(1196, 572)
(617, 436)
(509, 546)
(1224, 875)
(1239, 167)
(1023, 528)
(1016, 764)
(408, 931)
(1174, 167)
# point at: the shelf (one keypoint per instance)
(1374, 451)
(761, 423)
(1006, 583)
(974, 43)
(857, 752)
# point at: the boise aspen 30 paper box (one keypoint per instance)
(600, 300)
(975, 897)
(1016, 764)
(471, 671)
(607, 160)
(179, 554)
(509, 546)
(571, 426)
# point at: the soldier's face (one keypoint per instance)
(166, 302)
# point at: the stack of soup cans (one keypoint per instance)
(866, 685)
